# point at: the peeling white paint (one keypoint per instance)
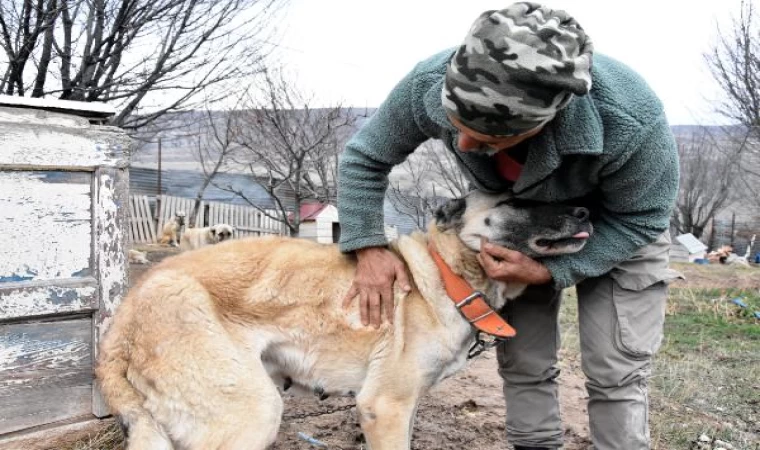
(35, 138)
(63, 148)
(45, 227)
(62, 180)
(22, 116)
(46, 300)
(110, 246)
(112, 197)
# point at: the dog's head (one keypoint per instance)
(535, 229)
(221, 232)
(180, 218)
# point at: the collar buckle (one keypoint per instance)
(469, 299)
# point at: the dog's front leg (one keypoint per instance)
(387, 421)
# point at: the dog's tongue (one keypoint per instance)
(582, 235)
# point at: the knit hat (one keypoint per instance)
(517, 67)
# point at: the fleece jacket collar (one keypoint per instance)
(576, 130)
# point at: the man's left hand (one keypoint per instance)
(503, 264)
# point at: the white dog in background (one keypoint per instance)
(194, 238)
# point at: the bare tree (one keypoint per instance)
(424, 181)
(290, 146)
(214, 146)
(146, 57)
(734, 63)
(709, 167)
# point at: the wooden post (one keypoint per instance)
(159, 168)
(157, 217)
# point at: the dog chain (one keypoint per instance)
(318, 413)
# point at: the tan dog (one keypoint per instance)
(200, 237)
(197, 350)
(170, 235)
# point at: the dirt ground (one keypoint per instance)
(717, 276)
(465, 411)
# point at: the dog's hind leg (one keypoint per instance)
(246, 414)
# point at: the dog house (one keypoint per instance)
(319, 222)
(63, 206)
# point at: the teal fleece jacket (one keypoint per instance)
(613, 145)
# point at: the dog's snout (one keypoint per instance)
(580, 213)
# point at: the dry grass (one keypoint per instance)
(110, 438)
(707, 374)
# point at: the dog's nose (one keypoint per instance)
(580, 213)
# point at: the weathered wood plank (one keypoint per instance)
(45, 372)
(68, 142)
(58, 435)
(45, 225)
(110, 217)
(43, 298)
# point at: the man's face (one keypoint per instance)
(470, 140)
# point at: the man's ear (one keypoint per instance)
(449, 215)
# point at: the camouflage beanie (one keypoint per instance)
(516, 69)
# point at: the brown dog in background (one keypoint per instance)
(170, 234)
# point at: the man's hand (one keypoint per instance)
(503, 264)
(376, 271)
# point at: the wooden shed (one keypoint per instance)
(63, 206)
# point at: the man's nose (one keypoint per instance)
(467, 143)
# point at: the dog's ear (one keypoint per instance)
(449, 215)
(213, 231)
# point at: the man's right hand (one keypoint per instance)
(376, 272)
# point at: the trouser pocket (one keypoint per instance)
(639, 301)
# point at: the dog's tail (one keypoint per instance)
(122, 398)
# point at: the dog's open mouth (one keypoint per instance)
(560, 245)
(563, 242)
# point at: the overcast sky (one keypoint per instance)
(356, 50)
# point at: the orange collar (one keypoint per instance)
(469, 302)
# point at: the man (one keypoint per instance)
(516, 105)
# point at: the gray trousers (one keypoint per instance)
(621, 317)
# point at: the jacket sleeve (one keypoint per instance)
(387, 138)
(638, 193)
